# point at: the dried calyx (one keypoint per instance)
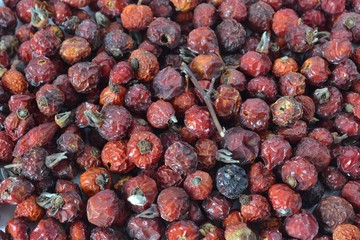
(51, 202)
(53, 160)
(151, 212)
(137, 197)
(63, 119)
(94, 118)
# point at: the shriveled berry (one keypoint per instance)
(74, 50)
(316, 70)
(263, 87)
(338, 50)
(144, 228)
(114, 157)
(260, 178)
(173, 202)
(255, 114)
(254, 207)
(284, 200)
(49, 99)
(344, 75)
(239, 231)
(283, 20)
(6, 147)
(161, 114)
(333, 211)
(14, 190)
(202, 40)
(40, 70)
(117, 43)
(29, 210)
(216, 206)
(14, 82)
(50, 229)
(231, 181)
(301, 226)
(168, 83)
(84, 76)
(348, 161)
(198, 185)
(140, 192)
(260, 16)
(286, 110)
(207, 66)
(181, 157)
(292, 84)
(275, 150)
(284, 65)
(255, 64)
(136, 17)
(351, 192)
(164, 32)
(333, 178)
(144, 64)
(234, 9)
(184, 228)
(299, 174)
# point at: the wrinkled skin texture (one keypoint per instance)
(172, 203)
(48, 229)
(275, 150)
(243, 144)
(284, 200)
(302, 226)
(144, 228)
(333, 211)
(181, 157)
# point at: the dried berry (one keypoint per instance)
(172, 203)
(284, 200)
(231, 181)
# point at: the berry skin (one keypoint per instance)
(263, 87)
(337, 51)
(115, 158)
(94, 180)
(284, 200)
(231, 181)
(173, 202)
(284, 66)
(84, 76)
(216, 206)
(198, 185)
(255, 64)
(144, 228)
(286, 110)
(275, 150)
(255, 114)
(202, 40)
(161, 114)
(164, 32)
(292, 84)
(198, 121)
(204, 15)
(140, 192)
(14, 82)
(74, 49)
(316, 70)
(136, 17)
(186, 229)
(260, 178)
(299, 174)
(283, 20)
(348, 161)
(351, 192)
(181, 157)
(301, 226)
(167, 84)
(49, 229)
(333, 211)
(254, 207)
(346, 232)
(234, 9)
(144, 149)
(40, 70)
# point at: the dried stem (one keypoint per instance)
(54, 159)
(207, 100)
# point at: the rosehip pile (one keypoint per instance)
(184, 119)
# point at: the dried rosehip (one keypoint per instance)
(94, 180)
(144, 64)
(285, 65)
(260, 178)
(275, 150)
(344, 75)
(184, 228)
(144, 228)
(198, 121)
(105, 208)
(173, 202)
(161, 8)
(14, 190)
(50, 229)
(333, 178)
(284, 200)
(36, 137)
(313, 195)
(18, 229)
(338, 50)
(346, 232)
(89, 30)
(167, 84)
(112, 95)
(292, 84)
(136, 17)
(29, 210)
(106, 63)
(112, 124)
(164, 32)
(351, 192)
(40, 70)
(255, 114)
(49, 99)
(322, 135)
(301, 226)
(239, 231)
(254, 207)
(283, 20)
(234, 78)
(348, 161)
(299, 174)
(114, 157)
(347, 124)
(14, 82)
(84, 76)
(216, 206)
(46, 42)
(166, 177)
(242, 144)
(231, 181)
(198, 185)
(74, 50)
(207, 66)
(255, 64)
(78, 230)
(117, 43)
(6, 147)
(263, 87)
(140, 192)
(234, 9)
(204, 15)
(333, 211)
(316, 70)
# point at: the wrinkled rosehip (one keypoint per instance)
(299, 174)
(286, 110)
(84, 76)
(231, 181)
(316, 70)
(333, 211)
(14, 190)
(207, 66)
(216, 206)
(263, 87)
(144, 64)
(234, 78)
(173, 202)
(94, 180)
(351, 192)
(234, 9)
(164, 32)
(348, 161)
(254, 207)
(239, 231)
(255, 114)
(40, 70)
(284, 200)
(74, 50)
(301, 226)
(49, 99)
(50, 229)
(144, 228)
(167, 84)
(184, 228)
(275, 150)
(255, 64)
(260, 178)
(6, 147)
(181, 157)
(346, 232)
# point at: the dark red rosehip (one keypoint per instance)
(173, 202)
